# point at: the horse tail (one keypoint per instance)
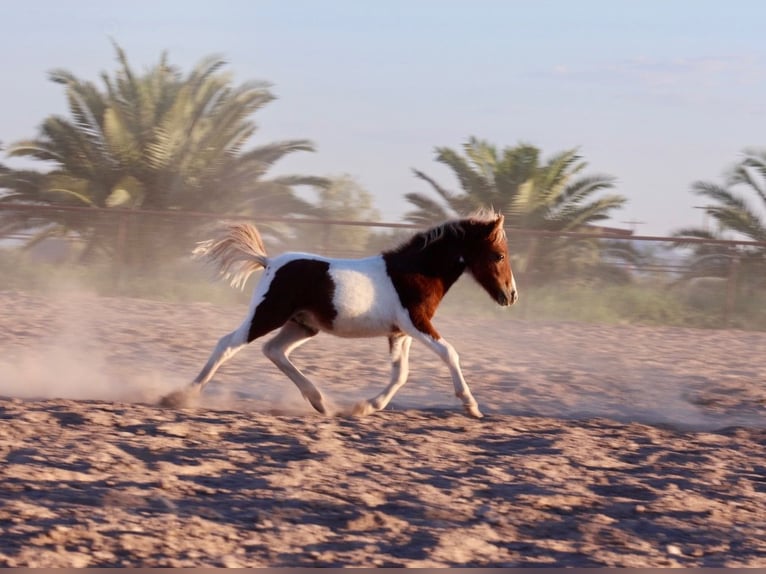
(237, 253)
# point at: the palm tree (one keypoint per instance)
(156, 141)
(735, 215)
(553, 195)
(730, 208)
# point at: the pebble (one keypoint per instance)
(674, 550)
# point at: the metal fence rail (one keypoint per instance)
(117, 214)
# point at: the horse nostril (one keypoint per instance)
(514, 296)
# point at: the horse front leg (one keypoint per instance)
(423, 331)
(399, 347)
(448, 354)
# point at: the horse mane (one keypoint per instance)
(451, 228)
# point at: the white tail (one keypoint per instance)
(236, 254)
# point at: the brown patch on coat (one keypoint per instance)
(302, 290)
(420, 295)
(422, 278)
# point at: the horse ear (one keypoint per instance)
(497, 224)
(496, 228)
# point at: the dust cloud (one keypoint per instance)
(67, 342)
(55, 347)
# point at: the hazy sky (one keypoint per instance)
(658, 93)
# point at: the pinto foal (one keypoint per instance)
(393, 294)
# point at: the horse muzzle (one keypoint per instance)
(507, 298)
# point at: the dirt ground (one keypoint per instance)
(602, 445)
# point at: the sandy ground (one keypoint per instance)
(602, 445)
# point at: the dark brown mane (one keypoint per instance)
(452, 229)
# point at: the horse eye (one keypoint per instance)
(499, 256)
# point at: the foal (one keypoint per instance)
(393, 294)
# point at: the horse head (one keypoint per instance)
(486, 258)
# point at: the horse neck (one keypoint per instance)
(440, 261)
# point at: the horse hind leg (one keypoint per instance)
(262, 321)
(399, 345)
(227, 347)
(278, 350)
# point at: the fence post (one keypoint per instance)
(731, 290)
(118, 263)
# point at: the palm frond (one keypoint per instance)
(304, 180)
(746, 171)
(577, 216)
(427, 212)
(694, 232)
(447, 195)
(584, 187)
(472, 182)
(741, 221)
(732, 211)
(269, 154)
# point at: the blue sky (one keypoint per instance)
(658, 93)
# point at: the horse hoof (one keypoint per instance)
(318, 406)
(175, 400)
(473, 411)
(362, 408)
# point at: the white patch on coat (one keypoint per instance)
(365, 298)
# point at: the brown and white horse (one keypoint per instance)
(393, 294)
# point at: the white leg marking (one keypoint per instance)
(449, 355)
(278, 349)
(400, 368)
(227, 347)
